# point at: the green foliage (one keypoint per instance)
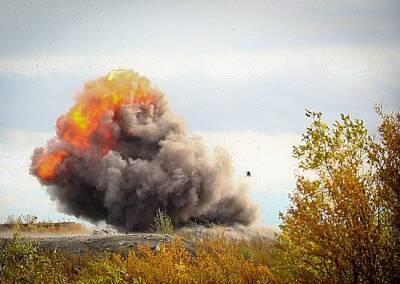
(21, 261)
(105, 271)
(162, 223)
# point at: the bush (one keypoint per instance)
(215, 260)
(21, 261)
(162, 223)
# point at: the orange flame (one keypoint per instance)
(49, 163)
(86, 121)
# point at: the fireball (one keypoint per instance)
(86, 125)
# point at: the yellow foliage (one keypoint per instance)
(340, 226)
(214, 260)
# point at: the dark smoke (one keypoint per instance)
(154, 164)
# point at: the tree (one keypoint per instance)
(387, 153)
(339, 226)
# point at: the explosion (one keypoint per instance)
(120, 154)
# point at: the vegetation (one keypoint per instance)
(162, 223)
(30, 224)
(342, 225)
(387, 154)
(212, 260)
(21, 261)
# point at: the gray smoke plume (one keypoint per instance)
(150, 162)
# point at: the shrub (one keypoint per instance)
(211, 260)
(21, 261)
(215, 260)
(162, 223)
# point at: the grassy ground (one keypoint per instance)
(208, 260)
(29, 224)
(190, 256)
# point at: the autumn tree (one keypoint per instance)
(387, 154)
(339, 226)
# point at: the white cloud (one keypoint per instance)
(340, 62)
(15, 154)
(21, 193)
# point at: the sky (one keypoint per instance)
(241, 73)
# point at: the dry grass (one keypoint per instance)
(211, 260)
(29, 224)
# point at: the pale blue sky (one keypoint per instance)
(227, 67)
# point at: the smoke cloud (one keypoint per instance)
(120, 153)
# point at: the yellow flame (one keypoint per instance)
(116, 98)
(79, 119)
(121, 73)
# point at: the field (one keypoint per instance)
(30, 226)
(191, 255)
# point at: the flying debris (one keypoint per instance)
(120, 153)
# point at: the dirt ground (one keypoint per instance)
(99, 241)
(96, 243)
